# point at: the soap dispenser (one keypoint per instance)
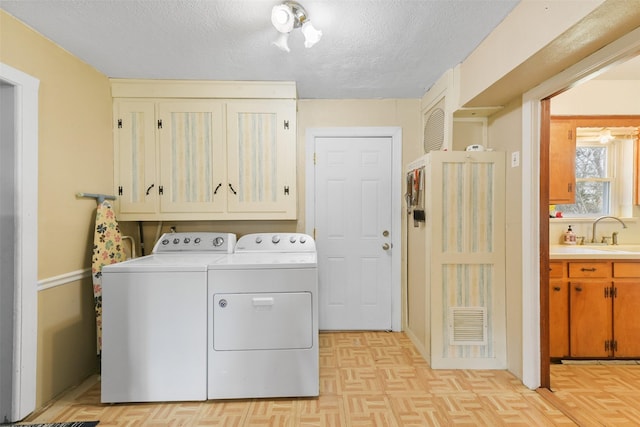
(570, 237)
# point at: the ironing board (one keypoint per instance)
(107, 249)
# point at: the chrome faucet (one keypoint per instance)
(593, 235)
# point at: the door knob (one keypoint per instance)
(386, 246)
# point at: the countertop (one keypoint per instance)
(594, 252)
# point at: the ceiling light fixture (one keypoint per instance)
(289, 15)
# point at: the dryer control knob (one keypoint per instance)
(165, 242)
(196, 240)
(303, 239)
(258, 239)
(176, 241)
(218, 241)
(186, 240)
(292, 239)
(275, 239)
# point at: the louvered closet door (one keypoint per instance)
(261, 144)
(192, 157)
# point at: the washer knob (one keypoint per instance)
(176, 241)
(218, 241)
(196, 240)
(303, 239)
(165, 242)
(258, 240)
(292, 239)
(275, 239)
(186, 240)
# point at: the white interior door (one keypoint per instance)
(353, 220)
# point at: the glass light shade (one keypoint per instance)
(283, 42)
(311, 35)
(282, 18)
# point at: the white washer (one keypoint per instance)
(263, 317)
(154, 320)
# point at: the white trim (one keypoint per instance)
(23, 399)
(616, 52)
(63, 279)
(395, 133)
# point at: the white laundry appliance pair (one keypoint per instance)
(166, 336)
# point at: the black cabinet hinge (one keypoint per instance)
(286, 125)
(160, 124)
(120, 190)
(286, 190)
(161, 190)
(119, 123)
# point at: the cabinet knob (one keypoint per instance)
(557, 288)
(579, 288)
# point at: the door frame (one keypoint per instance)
(395, 133)
(535, 334)
(24, 338)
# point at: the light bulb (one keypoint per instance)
(282, 18)
(311, 35)
(283, 42)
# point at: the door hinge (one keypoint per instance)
(161, 190)
(120, 190)
(614, 292)
(286, 125)
(314, 233)
(614, 345)
(606, 346)
(119, 123)
(160, 124)
(286, 190)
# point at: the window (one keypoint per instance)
(603, 165)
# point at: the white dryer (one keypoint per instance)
(263, 319)
(154, 320)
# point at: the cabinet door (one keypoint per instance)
(558, 318)
(590, 321)
(562, 158)
(261, 149)
(192, 157)
(626, 318)
(135, 159)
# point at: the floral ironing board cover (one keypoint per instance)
(107, 249)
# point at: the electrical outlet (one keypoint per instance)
(515, 159)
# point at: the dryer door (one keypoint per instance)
(262, 321)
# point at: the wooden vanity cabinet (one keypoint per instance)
(604, 308)
(626, 308)
(558, 310)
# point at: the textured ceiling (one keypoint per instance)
(369, 48)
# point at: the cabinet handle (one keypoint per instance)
(149, 189)
(557, 288)
(217, 188)
(570, 187)
(588, 269)
(232, 190)
(579, 288)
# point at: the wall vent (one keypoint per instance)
(434, 128)
(467, 326)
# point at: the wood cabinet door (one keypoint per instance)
(192, 157)
(135, 159)
(261, 161)
(558, 318)
(590, 318)
(562, 158)
(626, 318)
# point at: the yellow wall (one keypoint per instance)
(75, 154)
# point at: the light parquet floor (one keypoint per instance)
(366, 379)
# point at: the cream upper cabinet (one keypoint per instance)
(135, 159)
(261, 158)
(181, 153)
(192, 157)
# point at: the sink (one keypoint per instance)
(620, 248)
(595, 251)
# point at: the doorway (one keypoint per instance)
(359, 278)
(535, 210)
(18, 242)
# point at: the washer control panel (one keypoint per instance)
(276, 242)
(201, 241)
